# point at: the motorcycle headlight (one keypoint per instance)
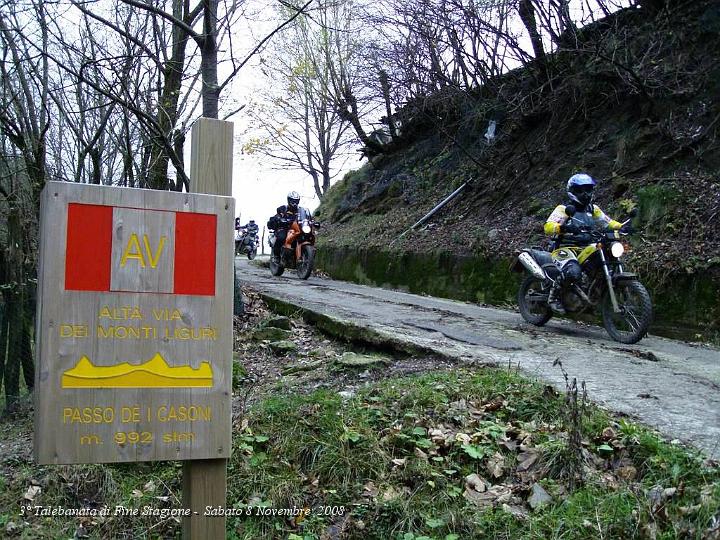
(617, 249)
(306, 228)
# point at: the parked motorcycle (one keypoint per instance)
(601, 283)
(246, 243)
(298, 252)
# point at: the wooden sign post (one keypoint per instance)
(205, 482)
(134, 325)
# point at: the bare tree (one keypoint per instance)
(24, 83)
(298, 125)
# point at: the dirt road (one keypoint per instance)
(670, 385)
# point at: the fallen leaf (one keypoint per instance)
(481, 500)
(400, 462)
(526, 460)
(685, 510)
(370, 490)
(473, 481)
(463, 438)
(422, 455)
(627, 473)
(496, 465)
(509, 444)
(516, 511)
(31, 493)
(150, 486)
(391, 493)
(494, 405)
(136, 493)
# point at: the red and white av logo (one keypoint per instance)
(118, 249)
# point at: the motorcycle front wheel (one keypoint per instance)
(251, 253)
(306, 262)
(632, 322)
(534, 312)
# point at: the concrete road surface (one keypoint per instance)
(670, 385)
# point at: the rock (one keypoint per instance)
(346, 394)
(279, 322)
(352, 359)
(302, 367)
(282, 347)
(538, 497)
(270, 334)
(493, 234)
(656, 496)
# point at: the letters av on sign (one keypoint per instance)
(134, 325)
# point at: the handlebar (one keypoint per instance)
(598, 235)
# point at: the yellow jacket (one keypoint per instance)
(597, 217)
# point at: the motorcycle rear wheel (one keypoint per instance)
(632, 323)
(534, 314)
(307, 262)
(276, 269)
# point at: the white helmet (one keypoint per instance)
(293, 200)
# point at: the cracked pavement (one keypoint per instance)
(666, 384)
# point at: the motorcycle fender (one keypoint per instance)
(625, 276)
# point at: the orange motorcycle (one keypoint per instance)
(298, 252)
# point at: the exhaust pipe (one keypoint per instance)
(531, 265)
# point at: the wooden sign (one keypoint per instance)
(134, 325)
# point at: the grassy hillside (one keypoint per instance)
(633, 102)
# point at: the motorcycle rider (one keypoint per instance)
(281, 221)
(251, 228)
(247, 233)
(580, 189)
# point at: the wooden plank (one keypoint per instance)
(130, 405)
(205, 481)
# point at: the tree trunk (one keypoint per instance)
(348, 111)
(26, 349)
(385, 85)
(526, 11)
(167, 114)
(14, 312)
(209, 63)
(4, 335)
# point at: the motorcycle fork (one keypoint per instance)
(608, 279)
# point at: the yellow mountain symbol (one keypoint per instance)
(155, 373)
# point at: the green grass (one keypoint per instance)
(323, 451)
(392, 462)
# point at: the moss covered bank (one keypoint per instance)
(686, 306)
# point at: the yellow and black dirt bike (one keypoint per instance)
(599, 282)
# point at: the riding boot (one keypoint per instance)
(554, 300)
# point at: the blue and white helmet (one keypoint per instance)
(580, 188)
